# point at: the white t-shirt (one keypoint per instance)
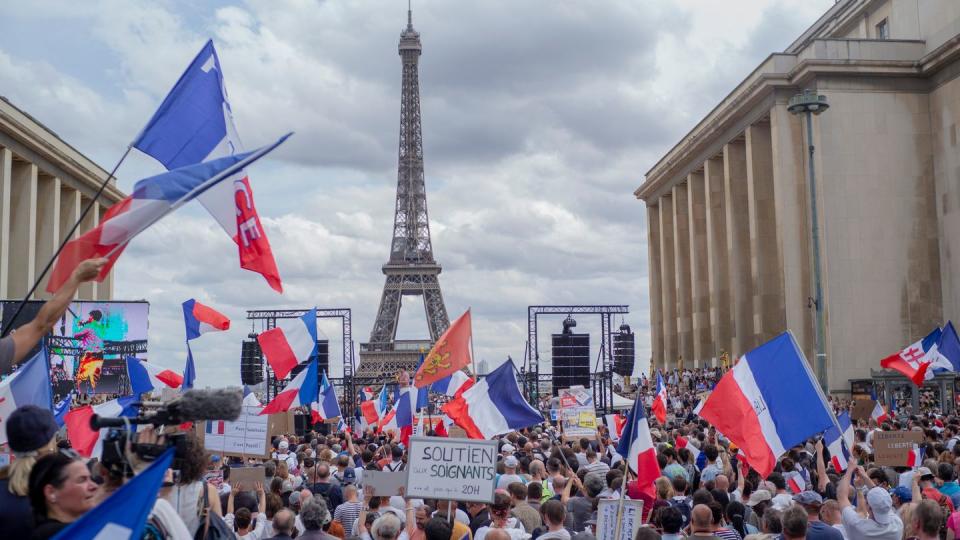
(258, 529)
(861, 528)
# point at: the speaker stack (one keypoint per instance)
(571, 358)
(251, 363)
(623, 351)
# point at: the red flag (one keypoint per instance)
(450, 353)
(82, 438)
(369, 410)
(251, 239)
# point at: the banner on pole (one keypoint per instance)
(607, 519)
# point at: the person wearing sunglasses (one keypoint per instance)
(31, 434)
(61, 491)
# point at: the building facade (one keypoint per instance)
(728, 207)
(44, 186)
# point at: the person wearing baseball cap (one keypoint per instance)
(882, 523)
(509, 475)
(31, 434)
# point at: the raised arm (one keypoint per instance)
(822, 479)
(261, 498)
(843, 488)
(27, 336)
(230, 497)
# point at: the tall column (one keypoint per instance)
(48, 226)
(793, 233)
(656, 295)
(668, 281)
(738, 240)
(699, 286)
(765, 263)
(718, 259)
(104, 289)
(6, 174)
(23, 228)
(681, 254)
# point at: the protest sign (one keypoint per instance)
(247, 476)
(607, 519)
(451, 469)
(249, 435)
(862, 408)
(892, 448)
(385, 483)
(578, 417)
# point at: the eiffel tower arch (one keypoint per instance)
(411, 270)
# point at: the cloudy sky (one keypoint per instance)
(540, 118)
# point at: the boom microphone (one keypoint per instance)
(192, 406)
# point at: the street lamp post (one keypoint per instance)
(810, 103)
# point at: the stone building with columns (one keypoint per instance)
(44, 186)
(729, 215)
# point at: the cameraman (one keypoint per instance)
(15, 346)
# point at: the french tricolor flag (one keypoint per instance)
(637, 445)
(457, 382)
(200, 319)
(302, 391)
(292, 342)
(327, 406)
(493, 406)
(915, 457)
(87, 442)
(768, 403)
(374, 409)
(145, 377)
(614, 423)
(659, 407)
(152, 199)
(215, 427)
(29, 385)
(837, 442)
(879, 413)
(795, 481)
(918, 360)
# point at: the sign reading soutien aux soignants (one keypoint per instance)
(451, 469)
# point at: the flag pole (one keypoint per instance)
(66, 239)
(473, 357)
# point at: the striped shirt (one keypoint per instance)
(348, 512)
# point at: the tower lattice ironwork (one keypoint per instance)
(411, 269)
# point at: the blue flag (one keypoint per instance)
(61, 409)
(189, 371)
(123, 514)
(29, 385)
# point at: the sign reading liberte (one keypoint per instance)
(452, 469)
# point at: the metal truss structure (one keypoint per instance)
(601, 377)
(411, 270)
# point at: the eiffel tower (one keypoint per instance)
(411, 270)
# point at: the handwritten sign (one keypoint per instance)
(607, 519)
(892, 448)
(451, 469)
(247, 436)
(248, 477)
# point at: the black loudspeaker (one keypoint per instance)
(571, 359)
(323, 357)
(251, 363)
(623, 351)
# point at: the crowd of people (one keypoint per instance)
(547, 486)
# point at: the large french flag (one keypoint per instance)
(493, 406)
(659, 407)
(837, 442)
(29, 385)
(918, 360)
(152, 199)
(303, 390)
(768, 403)
(374, 409)
(327, 405)
(292, 342)
(145, 377)
(200, 319)
(615, 424)
(194, 124)
(637, 445)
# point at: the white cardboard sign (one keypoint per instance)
(607, 519)
(247, 436)
(451, 469)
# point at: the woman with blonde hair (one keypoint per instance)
(31, 434)
(664, 488)
(906, 516)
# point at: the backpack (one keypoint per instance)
(394, 467)
(323, 491)
(212, 526)
(683, 506)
